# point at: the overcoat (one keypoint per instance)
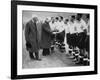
(32, 37)
(46, 35)
(39, 25)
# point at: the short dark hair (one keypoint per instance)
(52, 17)
(79, 14)
(66, 19)
(61, 17)
(56, 18)
(73, 16)
(88, 16)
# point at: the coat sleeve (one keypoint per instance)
(46, 28)
(27, 31)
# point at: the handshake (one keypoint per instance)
(56, 30)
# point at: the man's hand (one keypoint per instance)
(56, 30)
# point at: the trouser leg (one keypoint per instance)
(31, 55)
(46, 51)
(52, 48)
(37, 55)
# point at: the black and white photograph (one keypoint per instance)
(53, 40)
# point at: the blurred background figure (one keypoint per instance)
(72, 31)
(60, 36)
(31, 36)
(81, 30)
(52, 26)
(66, 41)
(46, 37)
(87, 39)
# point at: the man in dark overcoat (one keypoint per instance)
(46, 37)
(32, 37)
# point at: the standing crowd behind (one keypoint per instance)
(71, 36)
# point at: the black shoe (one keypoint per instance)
(31, 55)
(43, 54)
(38, 59)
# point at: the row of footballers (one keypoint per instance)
(74, 34)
